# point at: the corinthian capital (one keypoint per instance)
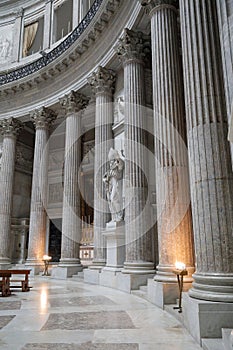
(132, 46)
(102, 81)
(151, 6)
(10, 127)
(43, 118)
(74, 102)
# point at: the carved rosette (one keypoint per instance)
(43, 118)
(151, 6)
(10, 127)
(74, 102)
(133, 46)
(102, 81)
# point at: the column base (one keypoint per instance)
(63, 271)
(205, 319)
(213, 287)
(5, 263)
(138, 268)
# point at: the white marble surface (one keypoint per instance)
(144, 326)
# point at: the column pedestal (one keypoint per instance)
(205, 319)
(115, 241)
(63, 272)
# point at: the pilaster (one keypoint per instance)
(9, 129)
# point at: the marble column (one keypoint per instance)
(139, 260)
(102, 83)
(175, 234)
(9, 128)
(48, 24)
(225, 18)
(42, 119)
(211, 178)
(74, 104)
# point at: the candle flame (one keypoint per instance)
(46, 257)
(180, 266)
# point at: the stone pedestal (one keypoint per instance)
(205, 319)
(115, 241)
(63, 272)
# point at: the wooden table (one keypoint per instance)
(24, 282)
(5, 283)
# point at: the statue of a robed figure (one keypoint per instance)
(113, 184)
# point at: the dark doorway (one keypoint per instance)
(55, 239)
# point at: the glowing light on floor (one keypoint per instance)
(44, 300)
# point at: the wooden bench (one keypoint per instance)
(24, 282)
(5, 283)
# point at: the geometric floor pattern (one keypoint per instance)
(72, 315)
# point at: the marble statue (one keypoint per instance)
(113, 185)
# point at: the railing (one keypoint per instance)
(55, 53)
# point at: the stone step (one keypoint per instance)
(79, 276)
(212, 344)
(174, 312)
(143, 288)
(139, 293)
(227, 338)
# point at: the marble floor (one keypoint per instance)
(72, 315)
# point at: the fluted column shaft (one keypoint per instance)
(137, 237)
(172, 178)
(71, 220)
(224, 9)
(42, 119)
(102, 83)
(209, 153)
(9, 129)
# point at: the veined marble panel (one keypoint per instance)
(4, 320)
(10, 305)
(86, 346)
(89, 320)
(81, 301)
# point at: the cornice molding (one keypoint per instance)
(52, 63)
